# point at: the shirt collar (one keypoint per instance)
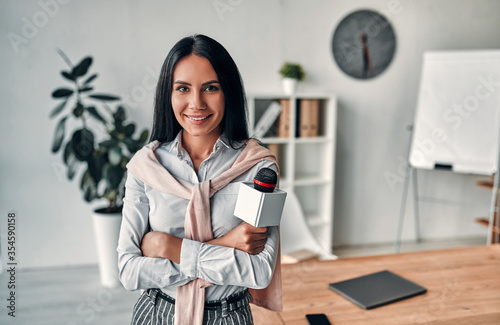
(223, 140)
(176, 146)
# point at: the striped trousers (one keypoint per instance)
(153, 309)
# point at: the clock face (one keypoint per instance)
(363, 44)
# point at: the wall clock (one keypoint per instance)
(363, 44)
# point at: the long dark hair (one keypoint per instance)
(234, 123)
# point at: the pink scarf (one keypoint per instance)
(190, 299)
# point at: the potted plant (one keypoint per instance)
(103, 145)
(292, 73)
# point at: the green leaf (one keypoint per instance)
(58, 108)
(78, 110)
(90, 194)
(104, 97)
(82, 67)
(95, 166)
(144, 137)
(83, 144)
(134, 145)
(120, 114)
(62, 92)
(110, 194)
(70, 160)
(131, 144)
(85, 89)
(108, 143)
(93, 111)
(67, 75)
(72, 164)
(292, 70)
(85, 178)
(88, 186)
(68, 151)
(113, 175)
(129, 129)
(90, 79)
(64, 57)
(59, 134)
(115, 134)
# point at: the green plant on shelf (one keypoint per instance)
(293, 71)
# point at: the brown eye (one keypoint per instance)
(211, 88)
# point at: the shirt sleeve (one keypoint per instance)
(229, 266)
(137, 271)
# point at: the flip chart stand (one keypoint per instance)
(457, 123)
(412, 172)
(494, 207)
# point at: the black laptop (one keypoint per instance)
(377, 289)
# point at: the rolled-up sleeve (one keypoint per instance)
(137, 271)
(229, 266)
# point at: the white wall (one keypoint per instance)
(129, 39)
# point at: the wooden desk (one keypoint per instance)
(463, 289)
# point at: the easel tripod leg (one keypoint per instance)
(415, 204)
(397, 243)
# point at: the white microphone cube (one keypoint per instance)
(258, 208)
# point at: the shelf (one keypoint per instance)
(486, 184)
(495, 228)
(485, 222)
(307, 164)
(273, 96)
(275, 140)
(312, 140)
(279, 140)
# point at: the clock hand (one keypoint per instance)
(367, 63)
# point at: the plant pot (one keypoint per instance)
(290, 86)
(106, 232)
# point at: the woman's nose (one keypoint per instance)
(197, 101)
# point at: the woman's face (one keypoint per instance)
(197, 98)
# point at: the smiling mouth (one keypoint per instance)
(201, 118)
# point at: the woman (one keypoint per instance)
(179, 240)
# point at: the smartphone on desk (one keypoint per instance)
(317, 319)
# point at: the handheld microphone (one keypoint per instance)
(261, 203)
(265, 180)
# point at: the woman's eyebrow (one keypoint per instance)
(182, 82)
(210, 82)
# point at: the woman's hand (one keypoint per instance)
(244, 237)
(160, 244)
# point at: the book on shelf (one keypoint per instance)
(265, 125)
(284, 119)
(308, 118)
(273, 147)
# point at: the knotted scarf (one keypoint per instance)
(190, 300)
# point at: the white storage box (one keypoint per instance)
(258, 208)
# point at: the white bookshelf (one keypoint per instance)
(307, 165)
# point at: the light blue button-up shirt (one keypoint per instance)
(146, 209)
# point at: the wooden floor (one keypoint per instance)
(73, 296)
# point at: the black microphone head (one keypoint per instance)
(265, 180)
